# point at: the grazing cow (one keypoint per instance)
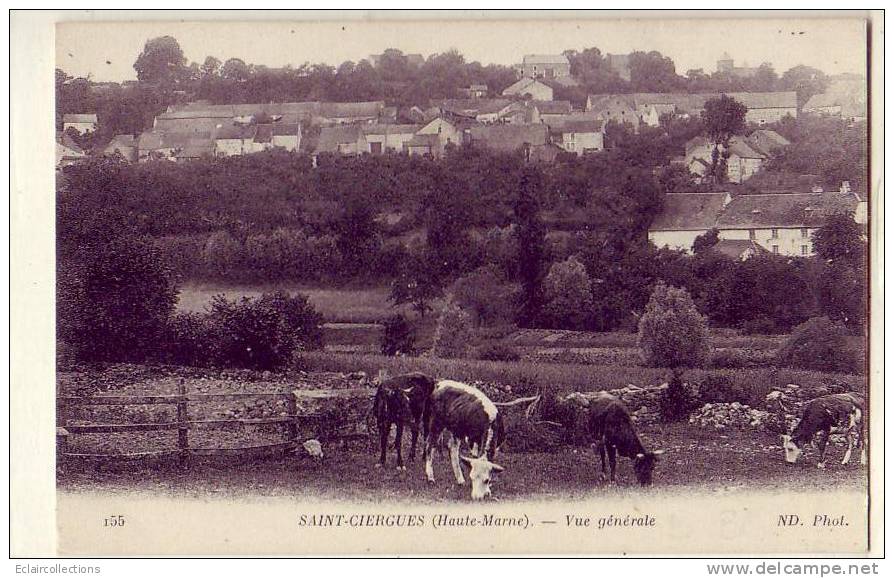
(842, 411)
(399, 400)
(612, 431)
(464, 413)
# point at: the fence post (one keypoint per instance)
(292, 409)
(183, 425)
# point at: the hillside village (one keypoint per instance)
(524, 116)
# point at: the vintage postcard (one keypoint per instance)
(398, 283)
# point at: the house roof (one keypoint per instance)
(79, 118)
(578, 126)
(822, 100)
(766, 141)
(351, 109)
(474, 107)
(236, 132)
(510, 137)
(122, 140)
(287, 129)
(689, 211)
(264, 133)
(155, 140)
(332, 136)
(784, 210)
(766, 99)
(741, 148)
(65, 140)
(735, 248)
(697, 141)
(195, 151)
(387, 129)
(545, 59)
(478, 87)
(553, 106)
(520, 86)
(694, 103)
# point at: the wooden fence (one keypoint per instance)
(294, 419)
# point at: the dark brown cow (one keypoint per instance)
(612, 431)
(842, 411)
(400, 400)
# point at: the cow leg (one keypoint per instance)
(427, 450)
(850, 446)
(398, 442)
(821, 439)
(453, 443)
(414, 435)
(384, 430)
(612, 461)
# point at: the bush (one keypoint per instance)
(760, 325)
(485, 293)
(742, 358)
(114, 299)
(678, 400)
(263, 332)
(453, 333)
(400, 336)
(719, 388)
(568, 295)
(672, 333)
(497, 351)
(819, 344)
(188, 340)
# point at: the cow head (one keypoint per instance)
(480, 474)
(792, 451)
(644, 464)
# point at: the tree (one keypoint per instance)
(672, 333)
(531, 235)
(840, 240)
(705, 241)
(236, 70)
(568, 295)
(453, 335)
(399, 336)
(653, 72)
(486, 294)
(818, 344)
(723, 118)
(804, 80)
(211, 67)
(161, 61)
(417, 284)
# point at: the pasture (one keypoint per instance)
(696, 458)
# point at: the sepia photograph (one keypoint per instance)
(548, 283)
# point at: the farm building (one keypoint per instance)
(82, 123)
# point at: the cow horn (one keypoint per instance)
(496, 467)
(640, 456)
(466, 459)
(408, 390)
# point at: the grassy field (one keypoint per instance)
(366, 305)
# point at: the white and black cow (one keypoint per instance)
(463, 413)
(401, 400)
(612, 431)
(843, 412)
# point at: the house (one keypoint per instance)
(620, 63)
(844, 97)
(344, 140)
(381, 138)
(767, 107)
(533, 139)
(286, 136)
(80, 122)
(124, 145)
(698, 167)
(619, 108)
(743, 161)
(781, 223)
(738, 249)
(686, 216)
(552, 109)
(475, 91)
(195, 149)
(546, 66)
(155, 145)
(529, 88)
(238, 139)
(68, 152)
(519, 112)
(578, 136)
(435, 136)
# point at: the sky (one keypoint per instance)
(107, 50)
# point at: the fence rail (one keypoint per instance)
(293, 419)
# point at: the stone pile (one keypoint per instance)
(734, 415)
